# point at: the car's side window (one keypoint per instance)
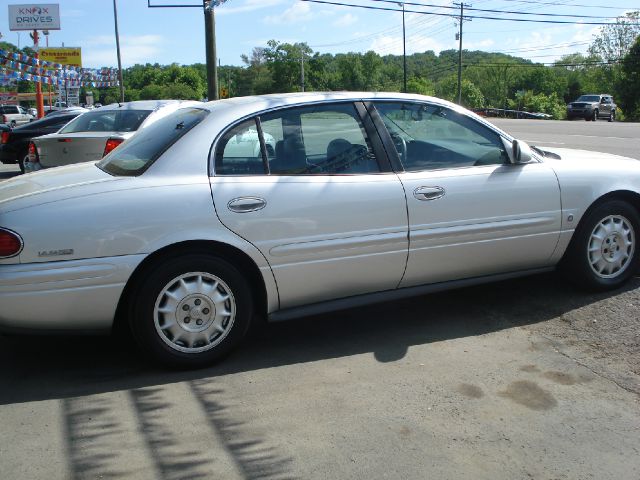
(238, 151)
(317, 140)
(430, 137)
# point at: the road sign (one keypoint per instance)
(66, 56)
(10, 98)
(34, 17)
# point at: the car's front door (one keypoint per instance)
(471, 212)
(328, 215)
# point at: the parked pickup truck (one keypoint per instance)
(14, 115)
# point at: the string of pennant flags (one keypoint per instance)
(23, 67)
(10, 74)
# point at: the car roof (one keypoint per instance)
(275, 100)
(141, 105)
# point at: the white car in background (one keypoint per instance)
(94, 134)
(186, 233)
(14, 115)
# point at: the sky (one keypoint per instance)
(176, 35)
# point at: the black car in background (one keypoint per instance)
(14, 142)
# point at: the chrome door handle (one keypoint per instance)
(246, 204)
(428, 193)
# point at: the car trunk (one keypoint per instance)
(73, 148)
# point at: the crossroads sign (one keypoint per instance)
(34, 17)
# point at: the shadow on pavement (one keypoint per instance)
(40, 368)
(7, 172)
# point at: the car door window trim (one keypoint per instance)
(362, 116)
(395, 157)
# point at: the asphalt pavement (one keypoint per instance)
(525, 379)
(619, 138)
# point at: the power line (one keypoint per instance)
(496, 11)
(450, 15)
(364, 38)
(572, 5)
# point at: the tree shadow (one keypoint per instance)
(80, 370)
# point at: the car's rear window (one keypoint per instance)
(137, 154)
(9, 109)
(107, 121)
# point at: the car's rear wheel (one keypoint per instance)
(21, 159)
(191, 310)
(604, 251)
(612, 116)
(594, 117)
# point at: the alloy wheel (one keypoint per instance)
(194, 312)
(611, 246)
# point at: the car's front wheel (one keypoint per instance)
(604, 251)
(612, 116)
(191, 310)
(594, 117)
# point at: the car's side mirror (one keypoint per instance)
(521, 152)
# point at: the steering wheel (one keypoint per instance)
(401, 146)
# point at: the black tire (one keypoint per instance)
(594, 117)
(612, 116)
(12, 124)
(156, 338)
(579, 263)
(21, 159)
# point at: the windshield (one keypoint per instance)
(589, 98)
(137, 154)
(107, 121)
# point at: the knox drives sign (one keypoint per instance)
(34, 17)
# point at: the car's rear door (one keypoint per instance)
(321, 204)
(471, 212)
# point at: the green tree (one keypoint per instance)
(420, 85)
(151, 92)
(629, 85)
(351, 71)
(472, 96)
(285, 63)
(612, 43)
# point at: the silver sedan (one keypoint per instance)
(187, 235)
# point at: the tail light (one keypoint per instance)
(10, 243)
(33, 153)
(112, 143)
(5, 119)
(4, 137)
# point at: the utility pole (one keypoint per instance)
(210, 46)
(460, 54)
(404, 52)
(302, 69)
(115, 20)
